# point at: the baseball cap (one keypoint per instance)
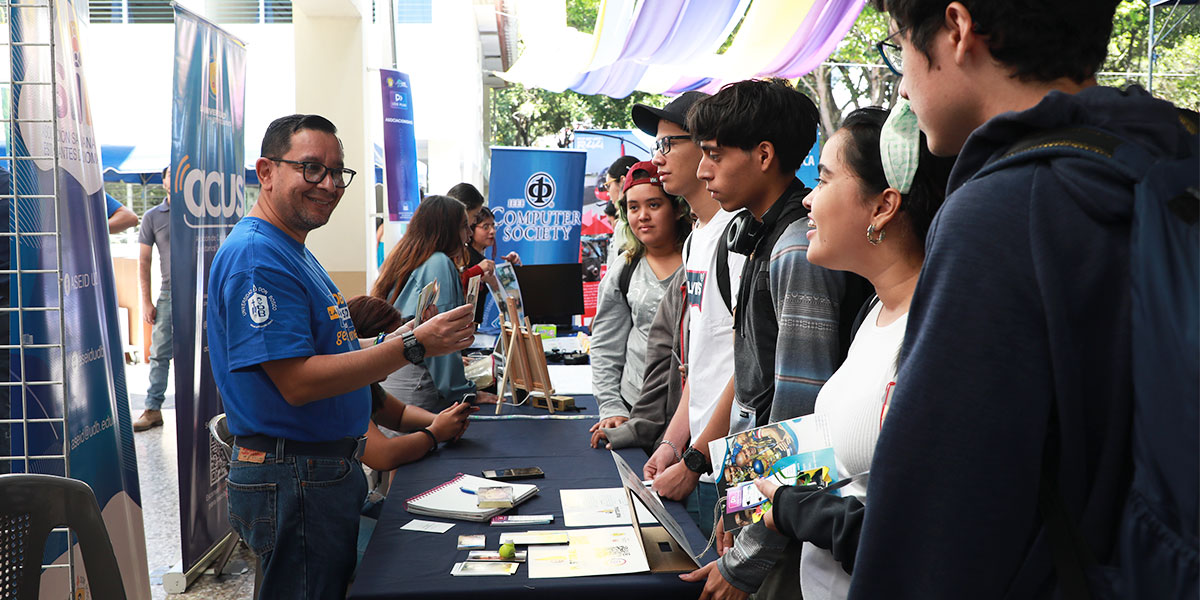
(647, 117)
(651, 176)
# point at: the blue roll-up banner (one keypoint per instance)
(82, 380)
(807, 173)
(399, 146)
(208, 191)
(537, 197)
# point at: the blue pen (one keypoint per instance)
(467, 490)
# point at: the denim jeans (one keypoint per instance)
(162, 348)
(300, 515)
(700, 505)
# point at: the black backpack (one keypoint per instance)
(723, 282)
(1156, 541)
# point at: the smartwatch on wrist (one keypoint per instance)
(414, 351)
(696, 462)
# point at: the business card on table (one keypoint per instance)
(484, 568)
(530, 538)
(494, 556)
(429, 526)
(507, 520)
(470, 542)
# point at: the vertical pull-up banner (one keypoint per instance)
(208, 191)
(537, 197)
(399, 146)
(82, 380)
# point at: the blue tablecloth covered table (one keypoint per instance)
(410, 564)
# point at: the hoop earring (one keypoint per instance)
(871, 231)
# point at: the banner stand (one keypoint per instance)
(175, 581)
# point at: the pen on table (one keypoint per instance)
(467, 490)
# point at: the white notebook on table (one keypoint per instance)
(456, 498)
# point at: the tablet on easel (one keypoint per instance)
(677, 557)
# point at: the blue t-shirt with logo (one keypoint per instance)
(270, 299)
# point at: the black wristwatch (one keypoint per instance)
(695, 461)
(414, 351)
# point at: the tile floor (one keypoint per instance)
(157, 473)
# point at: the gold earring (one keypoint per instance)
(871, 232)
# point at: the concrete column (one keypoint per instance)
(331, 80)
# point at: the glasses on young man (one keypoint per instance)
(315, 172)
(890, 52)
(663, 144)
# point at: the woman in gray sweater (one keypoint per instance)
(659, 224)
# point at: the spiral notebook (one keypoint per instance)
(456, 499)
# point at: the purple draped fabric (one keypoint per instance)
(663, 32)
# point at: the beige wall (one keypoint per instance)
(332, 80)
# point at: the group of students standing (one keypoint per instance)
(946, 319)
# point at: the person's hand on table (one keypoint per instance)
(609, 423)
(676, 482)
(768, 488)
(447, 332)
(715, 586)
(486, 398)
(513, 258)
(450, 424)
(600, 437)
(663, 457)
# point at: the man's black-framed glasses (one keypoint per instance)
(314, 172)
(663, 144)
(890, 52)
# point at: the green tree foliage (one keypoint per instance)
(1176, 77)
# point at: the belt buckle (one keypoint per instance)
(360, 446)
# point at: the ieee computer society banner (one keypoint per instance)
(208, 191)
(537, 197)
(399, 146)
(70, 356)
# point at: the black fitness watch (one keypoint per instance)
(414, 351)
(696, 462)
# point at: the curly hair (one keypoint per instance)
(1038, 40)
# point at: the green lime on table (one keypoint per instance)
(508, 551)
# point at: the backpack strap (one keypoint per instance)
(723, 282)
(625, 279)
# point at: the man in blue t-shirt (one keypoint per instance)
(291, 372)
(120, 217)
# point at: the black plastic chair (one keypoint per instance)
(30, 507)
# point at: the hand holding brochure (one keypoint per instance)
(794, 452)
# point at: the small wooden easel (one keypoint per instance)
(525, 364)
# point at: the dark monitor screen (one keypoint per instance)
(551, 293)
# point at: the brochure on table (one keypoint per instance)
(666, 547)
(599, 551)
(794, 452)
(600, 507)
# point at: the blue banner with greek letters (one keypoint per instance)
(537, 197)
(399, 146)
(208, 191)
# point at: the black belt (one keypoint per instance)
(344, 448)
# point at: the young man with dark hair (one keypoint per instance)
(792, 324)
(1019, 334)
(286, 359)
(706, 343)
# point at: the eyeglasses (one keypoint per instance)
(314, 172)
(891, 53)
(663, 144)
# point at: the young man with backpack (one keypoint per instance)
(1012, 461)
(712, 274)
(792, 323)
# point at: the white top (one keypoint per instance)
(709, 351)
(853, 400)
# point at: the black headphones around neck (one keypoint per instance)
(743, 233)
